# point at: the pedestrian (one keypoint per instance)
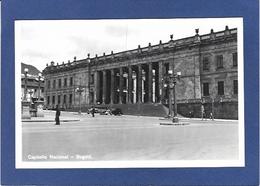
(202, 112)
(57, 117)
(93, 111)
(190, 114)
(211, 116)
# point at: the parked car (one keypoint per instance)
(100, 110)
(106, 112)
(116, 111)
(90, 110)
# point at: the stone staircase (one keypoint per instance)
(143, 109)
(146, 109)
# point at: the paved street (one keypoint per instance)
(128, 138)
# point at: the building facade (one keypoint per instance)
(135, 80)
(34, 86)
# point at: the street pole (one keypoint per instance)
(80, 90)
(39, 104)
(175, 101)
(212, 108)
(80, 102)
(170, 101)
(25, 104)
(171, 80)
(25, 83)
(39, 86)
(31, 92)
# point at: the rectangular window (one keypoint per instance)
(65, 82)
(92, 78)
(205, 89)
(54, 83)
(205, 63)
(234, 59)
(59, 83)
(53, 100)
(91, 99)
(70, 101)
(219, 61)
(71, 81)
(49, 84)
(48, 100)
(235, 87)
(64, 99)
(221, 88)
(58, 99)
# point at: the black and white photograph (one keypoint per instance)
(129, 93)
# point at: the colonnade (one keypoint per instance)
(140, 83)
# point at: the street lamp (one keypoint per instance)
(39, 85)
(212, 108)
(80, 89)
(25, 104)
(30, 92)
(39, 104)
(25, 83)
(170, 82)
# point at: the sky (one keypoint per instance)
(38, 42)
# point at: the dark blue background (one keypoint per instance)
(91, 9)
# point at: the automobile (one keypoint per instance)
(106, 112)
(116, 111)
(100, 110)
(90, 110)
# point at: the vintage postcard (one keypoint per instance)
(129, 93)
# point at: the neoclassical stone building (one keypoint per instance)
(134, 80)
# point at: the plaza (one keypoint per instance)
(106, 137)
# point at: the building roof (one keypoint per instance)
(32, 70)
(178, 44)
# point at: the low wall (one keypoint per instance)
(224, 110)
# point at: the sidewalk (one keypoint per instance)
(208, 119)
(49, 116)
(186, 121)
(205, 119)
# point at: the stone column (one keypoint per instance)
(160, 81)
(150, 83)
(139, 83)
(112, 94)
(97, 87)
(130, 85)
(120, 85)
(104, 87)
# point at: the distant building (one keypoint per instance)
(134, 80)
(33, 84)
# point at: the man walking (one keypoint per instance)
(203, 114)
(93, 111)
(57, 117)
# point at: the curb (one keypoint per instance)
(68, 120)
(175, 124)
(199, 119)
